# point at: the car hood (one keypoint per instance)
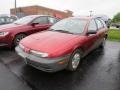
(54, 43)
(8, 27)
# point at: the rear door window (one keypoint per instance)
(41, 20)
(52, 20)
(92, 26)
(99, 24)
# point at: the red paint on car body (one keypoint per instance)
(26, 29)
(58, 44)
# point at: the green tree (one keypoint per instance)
(116, 18)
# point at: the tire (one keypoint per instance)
(74, 63)
(117, 26)
(102, 45)
(18, 38)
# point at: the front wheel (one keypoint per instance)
(18, 38)
(74, 60)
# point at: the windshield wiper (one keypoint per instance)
(51, 29)
(17, 23)
(63, 31)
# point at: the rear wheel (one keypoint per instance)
(74, 60)
(18, 38)
(103, 43)
(117, 26)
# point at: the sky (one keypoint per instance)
(79, 7)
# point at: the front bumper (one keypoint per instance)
(44, 64)
(4, 41)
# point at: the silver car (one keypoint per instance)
(6, 19)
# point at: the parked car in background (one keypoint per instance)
(11, 34)
(117, 25)
(6, 19)
(105, 18)
(64, 44)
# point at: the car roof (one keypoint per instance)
(34, 16)
(5, 15)
(82, 17)
(85, 17)
(103, 17)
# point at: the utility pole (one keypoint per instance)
(15, 7)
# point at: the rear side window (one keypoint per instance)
(52, 20)
(104, 22)
(7, 20)
(99, 24)
(92, 26)
(41, 20)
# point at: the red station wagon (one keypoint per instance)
(64, 44)
(11, 34)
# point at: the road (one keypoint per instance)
(100, 70)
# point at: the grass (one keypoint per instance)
(114, 35)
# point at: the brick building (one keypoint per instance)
(35, 10)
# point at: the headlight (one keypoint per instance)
(4, 33)
(39, 54)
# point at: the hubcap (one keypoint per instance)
(75, 60)
(19, 38)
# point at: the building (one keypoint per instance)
(36, 10)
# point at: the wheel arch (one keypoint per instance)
(19, 33)
(79, 48)
(16, 35)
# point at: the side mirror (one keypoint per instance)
(91, 32)
(33, 24)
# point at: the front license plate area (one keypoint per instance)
(23, 55)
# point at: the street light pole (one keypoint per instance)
(15, 7)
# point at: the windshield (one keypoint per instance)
(24, 20)
(70, 25)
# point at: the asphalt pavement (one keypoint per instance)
(100, 70)
(9, 81)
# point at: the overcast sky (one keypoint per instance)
(79, 7)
